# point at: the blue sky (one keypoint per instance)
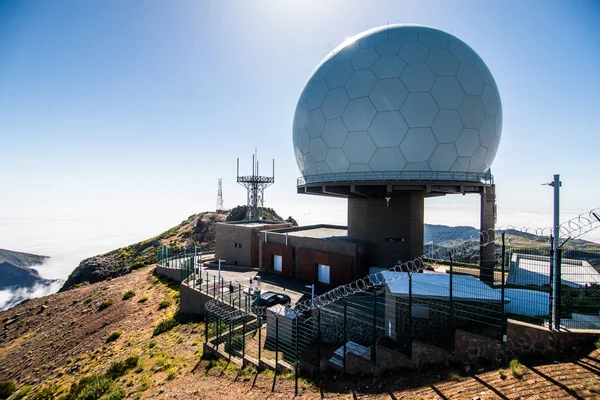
(131, 110)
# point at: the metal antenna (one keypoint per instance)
(255, 186)
(220, 194)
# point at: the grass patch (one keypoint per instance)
(119, 368)
(516, 368)
(117, 394)
(162, 364)
(453, 375)
(24, 391)
(151, 345)
(88, 300)
(6, 389)
(172, 373)
(210, 365)
(502, 374)
(105, 304)
(47, 393)
(597, 343)
(164, 326)
(113, 336)
(90, 387)
(128, 295)
(143, 299)
(164, 304)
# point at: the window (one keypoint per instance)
(420, 311)
(323, 273)
(277, 263)
(237, 245)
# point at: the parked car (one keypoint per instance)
(269, 299)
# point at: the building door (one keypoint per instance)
(277, 263)
(323, 273)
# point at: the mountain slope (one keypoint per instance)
(15, 271)
(196, 230)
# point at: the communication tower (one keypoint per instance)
(255, 186)
(220, 196)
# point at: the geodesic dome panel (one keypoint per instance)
(398, 98)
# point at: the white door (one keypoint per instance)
(277, 263)
(323, 273)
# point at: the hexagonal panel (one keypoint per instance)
(302, 141)
(318, 149)
(388, 48)
(462, 52)
(373, 39)
(413, 52)
(418, 144)
(334, 103)
(443, 157)
(337, 161)
(472, 112)
(309, 165)
(404, 35)
(322, 168)
(388, 129)
(334, 132)
(419, 110)
(478, 160)
(305, 92)
(388, 67)
(487, 132)
(447, 92)
(356, 167)
(360, 83)
(467, 142)
(491, 153)
(388, 94)
(418, 77)
(442, 62)
(346, 53)
(322, 70)
(387, 159)
(490, 100)
(299, 158)
(417, 166)
(339, 75)
(469, 79)
(358, 147)
(461, 164)
(316, 95)
(364, 58)
(447, 126)
(300, 116)
(434, 39)
(483, 70)
(358, 114)
(499, 121)
(315, 123)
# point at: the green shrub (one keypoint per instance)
(143, 299)
(6, 389)
(105, 304)
(128, 295)
(119, 368)
(113, 336)
(164, 326)
(597, 343)
(90, 387)
(47, 393)
(502, 374)
(516, 368)
(117, 394)
(24, 391)
(151, 345)
(164, 304)
(88, 300)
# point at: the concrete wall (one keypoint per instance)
(487, 256)
(395, 229)
(173, 274)
(191, 302)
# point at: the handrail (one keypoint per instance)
(424, 176)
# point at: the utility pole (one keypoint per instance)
(556, 184)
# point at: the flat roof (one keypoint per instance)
(533, 269)
(253, 224)
(321, 233)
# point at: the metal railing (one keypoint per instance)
(450, 176)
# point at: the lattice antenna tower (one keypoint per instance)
(220, 196)
(255, 186)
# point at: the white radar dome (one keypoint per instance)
(398, 98)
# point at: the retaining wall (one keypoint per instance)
(172, 273)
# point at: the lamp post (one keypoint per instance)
(312, 294)
(556, 184)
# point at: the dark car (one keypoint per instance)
(269, 299)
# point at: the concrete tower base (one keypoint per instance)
(395, 227)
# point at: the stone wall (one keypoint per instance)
(173, 274)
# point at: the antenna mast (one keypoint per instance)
(255, 186)
(220, 196)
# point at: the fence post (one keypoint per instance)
(214, 287)
(296, 357)
(551, 296)
(318, 341)
(259, 336)
(276, 349)
(207, 283)
(558, 299)
(206, 329)
(374, 338)
(218, 324)
(410, 318)
(451, 325)
(503, 314)
(244, 339)
(345, 330)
